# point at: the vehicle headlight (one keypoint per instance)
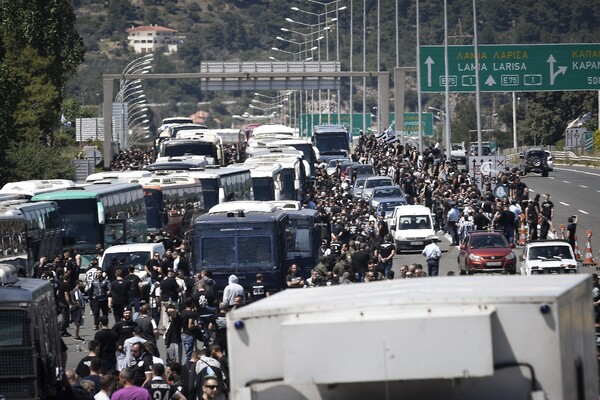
(510, 256)
(475, 257)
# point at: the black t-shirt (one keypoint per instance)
(159, 389)
(360, 260)
(169, 289)
(385, 249)
(546, 208)
(119, 291)
(83, 368)
(134, 285)
(63, 287)
(187, 316)
(141, 365)
(108, 343)
(124, 329)
(259, 291)
(173, 334)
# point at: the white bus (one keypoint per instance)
(28, 189)
(117, 176)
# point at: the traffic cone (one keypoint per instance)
(576, 250)
(522, 234)
(588, 261)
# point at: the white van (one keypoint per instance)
(132, 254)
(411, 226)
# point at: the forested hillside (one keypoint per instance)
(246, 30)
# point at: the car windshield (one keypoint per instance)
(414, 222)
(550, 252)
(371, 183)
(491, 241)
(390, 205)
(387, 192)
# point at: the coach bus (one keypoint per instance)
(267, 179)
(172, 203)
(101, 214)
(28, 189)
(294, 173)
(243, 244)
(117, 175)
(331, 141)
(29, 342)
(27, 232)
(222, 184)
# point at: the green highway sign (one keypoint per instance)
(512, 68)
(411, 123)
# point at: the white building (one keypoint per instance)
(148, 39)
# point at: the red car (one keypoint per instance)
(486, 252)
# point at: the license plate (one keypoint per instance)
(494, 264)
(416, 243)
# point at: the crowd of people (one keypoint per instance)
(184, 309)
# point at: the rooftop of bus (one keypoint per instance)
(87, 191)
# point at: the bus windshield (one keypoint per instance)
(196, 148)
(153, 201)
(80, 223)
(289, 190)
(332, 142)
(263, 188)
(210, 192)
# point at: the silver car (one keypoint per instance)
(388, 205)
(356, 190)
(382, 193)
(373, 182)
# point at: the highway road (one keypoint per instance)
(574, 190)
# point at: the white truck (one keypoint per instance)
(458, 153)
(491, 337)
(411, 226)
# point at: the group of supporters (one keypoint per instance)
(184, 309)
(175, 306)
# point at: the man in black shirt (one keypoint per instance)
(360, 262)
(135, 291)
(119, 295)
(64, 300)
(169, 294)
(124, 329)
(159, 388)
(547, 207)
(107, 339)
(141, 363)
(173, 341)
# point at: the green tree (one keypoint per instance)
(41, 162)
(40, 51)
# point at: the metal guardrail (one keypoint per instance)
(561, 157)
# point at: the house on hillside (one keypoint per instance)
(148, 39)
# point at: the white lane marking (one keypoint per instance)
(551, 177)
(583, 186)
(583, 212)
(566, 182)
(565, 204)
(581, 172)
